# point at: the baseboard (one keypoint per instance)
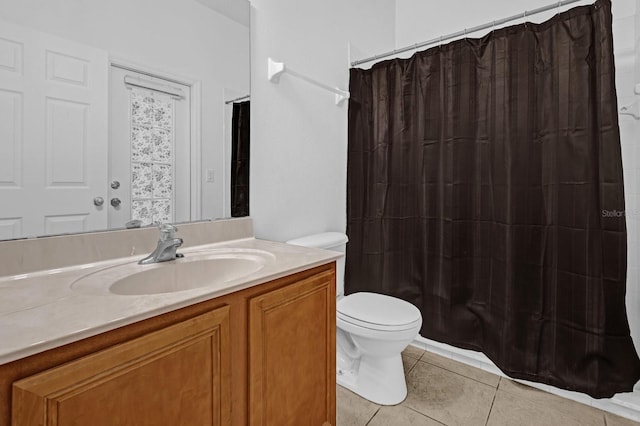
(622, 404)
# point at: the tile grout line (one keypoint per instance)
(422, 414)
(450, 371)
(412, 357)
(412, 367)
(374, 414)
(462, 375)
(492, 402)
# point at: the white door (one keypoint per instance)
(149, 152)
(53, 134)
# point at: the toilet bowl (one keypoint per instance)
(372, 331)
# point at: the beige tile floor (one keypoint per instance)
(445, 392)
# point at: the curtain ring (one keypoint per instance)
(465, 33)
(493, 26)
(559, 4)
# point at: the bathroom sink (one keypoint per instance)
(211, 268)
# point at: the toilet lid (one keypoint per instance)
(378, 309)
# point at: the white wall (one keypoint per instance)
(178, 37)
(298, 134)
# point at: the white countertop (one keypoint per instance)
(41, 311)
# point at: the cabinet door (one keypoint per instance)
(175, 376)
(292, 354)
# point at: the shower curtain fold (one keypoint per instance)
(480, 178)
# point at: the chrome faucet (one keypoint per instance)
(167, 246)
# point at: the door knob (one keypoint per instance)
(115, 202)
(98, 201)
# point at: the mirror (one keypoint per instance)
(118, 113)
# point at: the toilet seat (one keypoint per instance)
(378, 312)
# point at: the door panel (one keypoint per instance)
(67, 128)
(53, 127)
(11, 137)
(64, 224)
(292, 354)
(175, 376)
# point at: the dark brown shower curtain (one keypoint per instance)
(485, 187)
(240, 159)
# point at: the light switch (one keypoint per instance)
(210, 175)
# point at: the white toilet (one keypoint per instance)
(372, 331)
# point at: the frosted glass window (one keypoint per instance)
(152, 156)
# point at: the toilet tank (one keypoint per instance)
(336, 241)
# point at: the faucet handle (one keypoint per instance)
(167, 231)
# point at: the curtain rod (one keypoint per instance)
(241, 98)
(176, 92)
(276, 69)
(465, 31)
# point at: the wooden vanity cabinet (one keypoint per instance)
(292, 354)
(260, 356)
(175, 376)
